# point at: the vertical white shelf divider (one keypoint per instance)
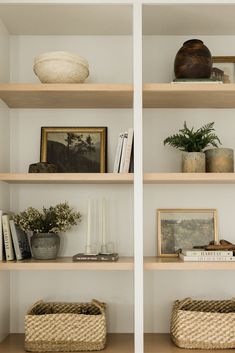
(5, 278)
(138, 177)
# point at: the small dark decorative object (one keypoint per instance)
(193, 60)
(214, 246)
(43, 167)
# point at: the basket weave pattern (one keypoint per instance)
(203, 324)
(60, 327)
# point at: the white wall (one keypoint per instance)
(4, 166)
(110, 60)
(162, 288)
(113, 288)
(109, 57)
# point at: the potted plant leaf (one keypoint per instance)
(46, 226)
(193, 144)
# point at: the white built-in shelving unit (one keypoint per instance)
(130, 45)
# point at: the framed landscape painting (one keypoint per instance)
(184, 229)
(75, 149)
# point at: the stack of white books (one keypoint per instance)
(123, 162)
(207, 255)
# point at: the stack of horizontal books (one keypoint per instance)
(196, 80)
(207, 255)
(97, 258)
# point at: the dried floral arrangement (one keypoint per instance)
(54, 219)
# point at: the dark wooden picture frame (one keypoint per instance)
(75, 149)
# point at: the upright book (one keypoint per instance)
(1, 239)
(7, 238)
(131, 167)
(118, 153)
(123, 152)
(20, 242)
(127, 159)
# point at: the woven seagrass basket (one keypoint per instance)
(65, 327)
(203, 324)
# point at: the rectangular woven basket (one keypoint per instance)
(65, 327)
(203, 324)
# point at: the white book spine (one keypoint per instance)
(207, 258)
(118, 153)
(123, 152)
(128, 150)
(15, 240)
(7, 238)
(207, 253)
(1, 237)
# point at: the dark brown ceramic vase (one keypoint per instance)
(193, 60)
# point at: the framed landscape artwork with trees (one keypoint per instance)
(75, 149)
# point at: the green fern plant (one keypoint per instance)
(189, 140)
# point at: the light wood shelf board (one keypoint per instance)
(67, 95)
(153, 263)
(117, 178)
(66, 263)
(155, 95)
(69, 178)
(189, 178)
(161, 342)
(116, 343)
(185, 95)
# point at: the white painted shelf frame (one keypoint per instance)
(155, 96)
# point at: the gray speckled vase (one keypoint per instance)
(45, 246)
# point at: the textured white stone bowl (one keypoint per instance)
(61, 67)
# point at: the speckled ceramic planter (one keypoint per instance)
(45, 246)
(220, 160)
(193, 162)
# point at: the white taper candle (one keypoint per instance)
(103, 222)
(88, 238)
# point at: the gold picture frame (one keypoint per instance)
(223, 59)
(201, 223)
(75, 149)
